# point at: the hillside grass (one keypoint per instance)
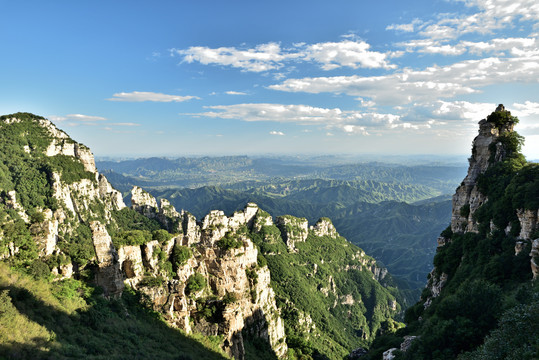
(66, 319)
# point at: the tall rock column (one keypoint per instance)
(467, 198)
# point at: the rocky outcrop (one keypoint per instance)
(12, 203)
(467, 198)
(108, 275)
(389, 354)
(528, 223)
(110, 195)
(144, 202)
(130, 260)
(293, 230)
(324, 227)
(237, 290)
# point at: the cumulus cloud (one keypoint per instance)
(424, 85)
(347, 53)
(279, 133)
(351, 122)
(140, 96)
(489, 16)
(499, 46)
(265, 57)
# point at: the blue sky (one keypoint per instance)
(138, 78)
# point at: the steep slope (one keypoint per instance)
(226, 280)
(482, 280)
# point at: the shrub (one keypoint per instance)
(180, 255)
(161, 235)
(132, 237)
(195, 283)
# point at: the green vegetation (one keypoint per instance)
(488, 297)
(68, 319)
(195, 283)
(230, 241)
(180, 255)
(347, 307)
(131, 238)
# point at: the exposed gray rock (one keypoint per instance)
(108, 276)
(144, 202)
(293, 230)
(528, 222)
(324, 227)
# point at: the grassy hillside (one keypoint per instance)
(67, 319)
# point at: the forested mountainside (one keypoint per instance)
(374, 205)
(377, 208)
(482, 298)
(89, 277)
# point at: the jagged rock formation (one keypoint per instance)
(489, 148)
(293, 229)
(468, 198)
(206, 277)
(324, 227)
(108, 275)
(481, 280)
(237, 288)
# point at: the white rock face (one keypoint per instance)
(467, 194)
(108, 276)
(226, 272)
(12, 203)
(388, 354)
(293, 230)
(324, 227)
(144, 202)
(528, 222)
(130, 260)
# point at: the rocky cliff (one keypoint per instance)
(486, 259)
(492, 147)
(245, 281)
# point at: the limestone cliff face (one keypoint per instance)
(236, 299)
(108, 276)
(293, 230)
(467, 198)
(143, 202)
(324, 227)
(488, 150)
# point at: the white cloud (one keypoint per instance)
(235, 93)
(353, 54)
(265, 57)
(279, 133)
(496, 46)
(528, 108)
(351, 122)
(81, 117)
(76, 117)
(424, 85)
(139, 96)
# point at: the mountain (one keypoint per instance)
(481, 301)
(391, 231)
(252, 174)
(88, 277)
